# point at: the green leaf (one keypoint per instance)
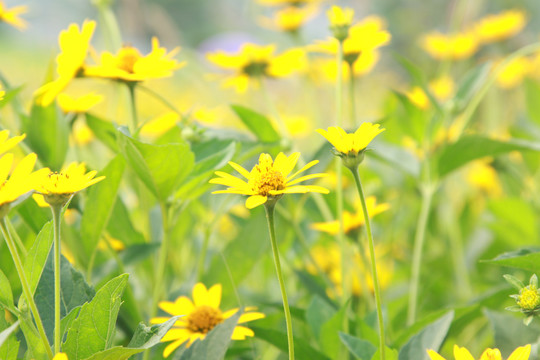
(162, 168)
(34, 262)
(74, 291)
(257, 123)
(390, 354)
(33, 215)
(47, 134)
(526, 259)
(514, 221)
(329, 335)
(120, 226)
(473, 147)
(104, 130)
(93, 330)
(471, 84)
(4, 335)
(510, 332)
(315, 287)
(67, 320)
(100, 201)
(36, 348)
(318, 313)
(398, 158)
(360, 348)
(9, 96)
(9, 346)
(145, 337)
(6, 295)
(431, 337)
(302, 349)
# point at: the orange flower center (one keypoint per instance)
(264, 179)
(127, 57)
(203, 319)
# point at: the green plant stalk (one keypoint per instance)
(269, 207)
(26, 287)
(134, 118)
(162, 259)
(352, 92)
(374, 275)
(16, 237)
(56, 213)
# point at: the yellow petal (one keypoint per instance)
(462, 353)
(434, 356)
(521, 353)
(214, 296)
(255, 200)
(173, 346)
(200, 295)
(240, 333)
(250, 316)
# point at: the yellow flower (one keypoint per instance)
(297, 3)
(351, 144)
(340, 16)
(500, 26)
(82, 104)
(200, 316)
(82, 134)
(74, 45)
(450, 47)
(130, 66)
(11, 16)
(2, 93)
(514, 72)
(60, 356)
(290, 18)
(21, 181)
(109, 242)
(441, 88)
(521, 353)
(352, 221)
(7, 144)
(57, 188)
(297, 125)
(484, 177)
(269, 179)
(254, 62)
(160, 125)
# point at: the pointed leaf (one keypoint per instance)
(34, 262)
(360, 348)
(104, 130)
(257, 123)
(302, 349)
(6, 295)
(526, 259)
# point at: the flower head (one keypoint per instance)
(296, 3)
(200, 316)
(129, 65)
(82, 104)
(528, 299)
(291, 18)
(60, 356)
(57, 188)
(501, 26)
(74, 45)
(521, 353)
(11, 16)
(442, 89)
(6, 143)
(450, 47)
(340, 21)
(268, 180)
(254, 62)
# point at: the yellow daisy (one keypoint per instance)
(6, 143)
(129, 65)
(200, 316)
(11, 16)
(521, 353)
(340, 16)
(81, 104)
(354, 143)
(74, 45)
(254, 62)
(497, 27)
(269, 179)
(442, 89)
(290, 18)
(450, 47)
(297, 3)
(513, 72)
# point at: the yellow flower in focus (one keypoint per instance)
(442, 89)
(6, 143)
(81, 104)
(254, 62)
(200, 316)
(57, 188)
(74, 45)
(130, 66)
(60, 356)
(160, 125)
(11, 16)
(514, 72)
(521, 353)
(290, 19)
(268, 180)
(351, 144)
(497, 27)
(484, 177)
(450, 47)
(352, 221)
(21, 181)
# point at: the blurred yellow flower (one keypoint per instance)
(297, 125)
(297, 3)
(352, 221)
(81, 104)
(74, 45)
(483, 176)
(514, 72)
(340, 16)
(441, 88)
(160, 125)
(128, 65)
(450, 47)
(107, 242)
(60, 356)
(200, 316)
(496, 27)
(82, 134)
(254, 62)
(6, 143)
(290, 18)
(521, 353)
(269, 179)
(352, 143)
(2, 94)
(11, 16)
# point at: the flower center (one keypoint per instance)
(492, 354)
(255, 68)
(265, 179)
(529, 299)
(127, 57)
(203, 319)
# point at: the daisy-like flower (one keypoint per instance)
(514, 72)
(352, 222)
(442, 88)
(450, 47)
(254, 62)
(21, 181)
(57, 188)
(11, 16)
(268, 180)
(290, 19)
(528, 299)
(74, 45)
(521, 353)
(81, 104)
(500, 26)
(200, 316)
(7, 143)
(340, 21)
(296, 3)
(129, 65)
(351, 147)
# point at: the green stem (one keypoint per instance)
(352, 102)
(134, 119)
(158, 280)
(269, 207)
(376, 287)
(26, 287)
(419, 237)
(56, 212)
(16, 237)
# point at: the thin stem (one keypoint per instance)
(158, 280)
(134, 118)
(16, 237)
(376, 287)
(26, 287)
(56, 212)
(270, 217)
(419, 237)
(352, 91)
